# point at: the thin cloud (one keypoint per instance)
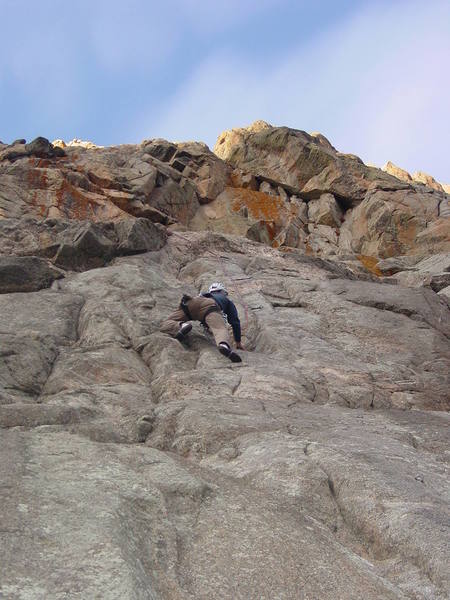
(62, 63)
(373, 85)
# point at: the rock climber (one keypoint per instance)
(211, 309)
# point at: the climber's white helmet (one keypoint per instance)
(217, 287)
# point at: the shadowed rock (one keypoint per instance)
(89, 248)
(26, 274)
(138, 235)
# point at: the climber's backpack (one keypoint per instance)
(184, 306)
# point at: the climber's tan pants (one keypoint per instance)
(198, 307)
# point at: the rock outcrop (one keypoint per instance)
(76, 142)
(418, 176)
(78, 245)
(136, 467)
(384, 213)
(266, 186)
(156, 180)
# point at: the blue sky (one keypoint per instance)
(373, 76)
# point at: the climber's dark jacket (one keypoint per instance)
(229, 309)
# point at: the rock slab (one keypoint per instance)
(134, 466)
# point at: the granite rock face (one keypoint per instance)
(134, 466)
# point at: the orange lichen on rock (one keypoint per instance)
(308, 250)
(261, 206)
(272, 231)
(37, 179)
(370, 263)
(73, 203)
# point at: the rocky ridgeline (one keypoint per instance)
(335, 203)
(418, 177)
(135, 467)
(278, 186)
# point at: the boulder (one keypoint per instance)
(322, 239)
(347, 180)
(285, 155)
(10, 153)
(176, 199)
(26, 274)
(299, 208)
(195, 161)
(139, 235)
(306, 163)
(209, 174)
(160, 149)
(88, 248)
(325, 211)
(42, 148)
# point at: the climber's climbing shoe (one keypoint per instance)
(185, 328)
(225, 349)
